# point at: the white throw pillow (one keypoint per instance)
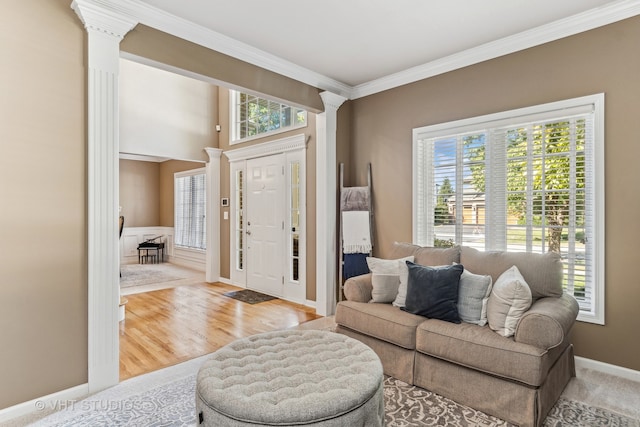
(510, 298)
(473, 296)
(386, 277)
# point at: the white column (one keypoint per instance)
(326, 234)
(105, 31)
(213, 215)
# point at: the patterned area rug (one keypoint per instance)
(249, 296)
(166, 398)
(147, 274)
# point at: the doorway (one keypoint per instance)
(268, 218)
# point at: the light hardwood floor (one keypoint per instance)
(169, 326)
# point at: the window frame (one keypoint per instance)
(233, 118)
(184, 174)
(550, 111)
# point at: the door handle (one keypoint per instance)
(248, 232)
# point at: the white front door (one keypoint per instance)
(265, 224)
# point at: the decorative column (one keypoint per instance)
(326, 209)
(105, 30)
(213, 215)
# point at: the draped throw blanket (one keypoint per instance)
(355, 199)
(356, 233)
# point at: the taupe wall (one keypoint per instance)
(166, 202)
(602, 60)
(140, 193)
(43, 295)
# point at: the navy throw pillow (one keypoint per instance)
(433, 291)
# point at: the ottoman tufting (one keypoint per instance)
(291, 377)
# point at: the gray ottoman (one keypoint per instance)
(292, 377)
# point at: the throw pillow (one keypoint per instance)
(473, 294)
(385, 278)
(433, 292)
(510, 298)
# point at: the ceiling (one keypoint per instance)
(356, 42)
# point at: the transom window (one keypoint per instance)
(527, 180)
(252, 116)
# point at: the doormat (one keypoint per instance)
(249, 296)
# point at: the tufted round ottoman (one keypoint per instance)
(293, 377)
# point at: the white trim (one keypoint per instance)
(179, 27)
(213, 215)
(590, 103)
(606, 368)
(171, 24)
(228, 282)
(326, 204)
(588, 20)
(282, 145)
(105, 30)
(53, 401)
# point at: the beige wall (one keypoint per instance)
(140, 193)
(602, 60)
(43, 295)
(164, 114)
(166, 202)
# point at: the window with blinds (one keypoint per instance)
(252, 116)
(526, 180)
(190, 204)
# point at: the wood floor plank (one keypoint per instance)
(169, 326)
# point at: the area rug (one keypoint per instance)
(147, 274)
(166, 398)
(249, 296)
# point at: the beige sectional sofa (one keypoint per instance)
(517, 378)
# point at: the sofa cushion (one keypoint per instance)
(542, 272)
(480, 348)
(433, 292)
(381, 321)
(386, 277)
(473, 295)
(423, 256)
(510, 298)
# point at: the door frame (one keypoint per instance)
(294, 148)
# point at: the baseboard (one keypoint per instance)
(310, 303)
(50, 402)
(225, 281)
(607, 368)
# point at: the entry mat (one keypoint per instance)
(249, 296)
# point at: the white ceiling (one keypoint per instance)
(355, 42)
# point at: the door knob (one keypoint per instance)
(249, 232)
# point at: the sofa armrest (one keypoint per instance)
(358, 288)
(548, 322)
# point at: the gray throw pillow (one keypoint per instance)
(473, 294)
(433, 292)
(387, 274)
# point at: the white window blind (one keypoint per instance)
(528, 180)
(190, 203)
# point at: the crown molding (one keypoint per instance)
(187, 30)
(137, 11)
(556, 30)
(282, 145)
(98, 18)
